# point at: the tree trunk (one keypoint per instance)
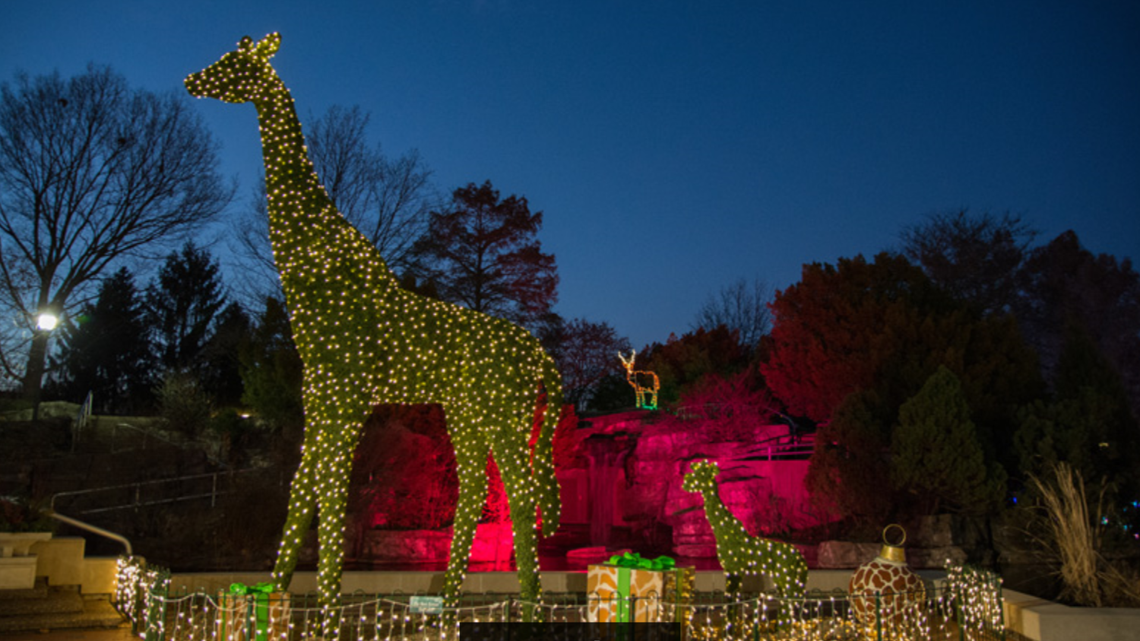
(34, 371)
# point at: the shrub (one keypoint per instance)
(183, 404)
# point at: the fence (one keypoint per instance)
(966, 606)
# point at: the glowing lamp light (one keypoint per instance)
(46, 321)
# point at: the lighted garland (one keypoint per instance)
(365, 341)
(740, 553)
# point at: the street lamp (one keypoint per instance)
(46, 321)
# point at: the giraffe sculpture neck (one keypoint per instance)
(305, 228)
(716, 512)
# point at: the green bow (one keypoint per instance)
(635, 560)
(260, 588)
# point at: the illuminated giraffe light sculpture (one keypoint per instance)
(365, 341)
(739, 552)
(635, 376)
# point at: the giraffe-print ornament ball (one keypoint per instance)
(887, 579)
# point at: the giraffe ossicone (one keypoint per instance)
(366, 341)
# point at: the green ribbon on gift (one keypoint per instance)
(260, 594)
(635, 560)
(260, 588)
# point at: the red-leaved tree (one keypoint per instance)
(483, 253)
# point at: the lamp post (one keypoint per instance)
(46, 321)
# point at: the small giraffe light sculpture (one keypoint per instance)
(739, 552)
(646, 394)
(366, 341)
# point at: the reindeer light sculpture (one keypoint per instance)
(646, 393)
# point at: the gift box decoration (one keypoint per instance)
(255, 609)
(631, 588)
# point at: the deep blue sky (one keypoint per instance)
(677, 147)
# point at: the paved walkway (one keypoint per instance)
(91, 634)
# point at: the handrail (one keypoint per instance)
(94, 529)
(81, 419)
(148, 433)
(145, 432)
(138, 485)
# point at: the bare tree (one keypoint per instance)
(588, 352)
(91, 173)
(387, 199)
(975, 258)
(741, 307)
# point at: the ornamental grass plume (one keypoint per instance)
(1073, 536)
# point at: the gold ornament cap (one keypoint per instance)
(893, 552)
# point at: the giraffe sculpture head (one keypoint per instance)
(701, 478)
(239, 76)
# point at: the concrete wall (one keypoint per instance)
(62, 561)
(1042, 620)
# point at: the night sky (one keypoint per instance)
(676, 147)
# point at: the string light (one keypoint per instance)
(740, 553)
(366, 341)
(641, 391)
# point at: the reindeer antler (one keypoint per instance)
(628, 363)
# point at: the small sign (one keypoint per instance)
(427, 605)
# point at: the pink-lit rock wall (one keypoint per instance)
(761, 480)
(623, 487)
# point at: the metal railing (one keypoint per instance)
(94, 529)
(82, 419)
(964, 607)
(158, 492)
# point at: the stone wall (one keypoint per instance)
(766, 493)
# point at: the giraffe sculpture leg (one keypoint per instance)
(336, 471)
(471, 465)
(523, 507)
(321, 484)
(302, 506)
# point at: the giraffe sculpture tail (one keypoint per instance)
(543, 458)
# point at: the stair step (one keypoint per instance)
(95, 613)
(54, 601)
(40, 591)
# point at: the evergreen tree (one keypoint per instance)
(272, 373)
(1088, 423)
(221, 360)
(849, 471)
(182, 306)
(935, 454)
(108, 353)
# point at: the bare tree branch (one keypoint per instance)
(92, 173)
